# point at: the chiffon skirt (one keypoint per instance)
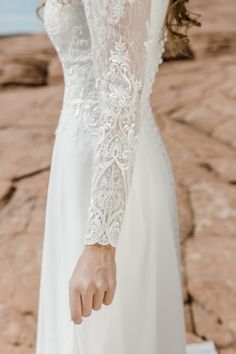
(146, 315)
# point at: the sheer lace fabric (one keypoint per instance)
(109, 68)
(119, 53)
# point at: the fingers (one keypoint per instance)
(98, 300)
(84, 299)
(109, 295)
(75, 305)
(87, 302)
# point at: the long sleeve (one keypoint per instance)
(118, 30)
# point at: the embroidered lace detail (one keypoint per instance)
(119, 84)
(110, 51)
(116, 145)
(68, 30)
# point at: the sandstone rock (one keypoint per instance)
(185, 215)
(16, 349)
(228, 351)
(24, 71)
(190, 151)
(5, 187)
(36, 45)
(209, 112)
(24, 59)
(22, 220)
(219, 101)
(201, 118)
(183, 86)
(215, 37)
(214, 44)
(25, 207)
(225, 167)
(15, 329)
(229, 88)
(39, 108)
(24, 152)
(21, 259)
(184, 284)
(226, 132)
(211, 282)
(196, 147)
(214, 208)
(205, 105)
(192, 338)
(188, 318)
(55, 73)
(208, 326)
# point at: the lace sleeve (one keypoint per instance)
(118, 30)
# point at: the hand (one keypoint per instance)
(93, 281)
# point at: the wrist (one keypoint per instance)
(101, 248)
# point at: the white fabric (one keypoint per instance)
(111, 182)
(203, 348)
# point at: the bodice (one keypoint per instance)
(68, 30)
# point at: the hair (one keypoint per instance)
(40, 5)
(178, 20)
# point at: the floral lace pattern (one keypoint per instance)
(67, 28)
(110, 51)
(116, 144)
(119, 71)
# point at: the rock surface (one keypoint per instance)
(24, 60)
(195, 103)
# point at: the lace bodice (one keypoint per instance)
(110, 51)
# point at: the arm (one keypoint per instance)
(118, 30)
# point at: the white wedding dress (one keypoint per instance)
(111, 182)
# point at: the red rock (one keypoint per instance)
(33, 151)
(55, 73)
(201, 118)
(214, 37)
(192, 338)
(24, 207)
(24, 71)
(24, 59)
(16, 349)
(36, 45)
(15, 329)
(214, 207)
(226, 132)
(211, 282)
(228, 351)
(185, 215)
(188, 318)
(207, 325)
(22, 220)
(224, 167)
(5, 187)
(39, 107)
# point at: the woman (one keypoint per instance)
(111, 230)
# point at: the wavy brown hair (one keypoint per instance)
(178, 20)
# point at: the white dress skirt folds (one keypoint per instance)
(111, 182)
